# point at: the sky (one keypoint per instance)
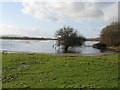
(44, 18)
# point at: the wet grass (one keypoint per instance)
(59, 71)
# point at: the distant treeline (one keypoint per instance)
(93, 39)
(26, 38)
(33, 38)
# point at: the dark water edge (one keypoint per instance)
(108, 52)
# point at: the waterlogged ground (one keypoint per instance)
(59, 71)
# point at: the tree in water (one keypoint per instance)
(68, 37)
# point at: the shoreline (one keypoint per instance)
(108, 52)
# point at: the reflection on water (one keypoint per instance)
(44, 46)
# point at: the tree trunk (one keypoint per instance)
(66, 48)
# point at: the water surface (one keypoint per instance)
(44, 46)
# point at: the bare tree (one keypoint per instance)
(110, 35)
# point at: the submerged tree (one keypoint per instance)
(68, 37)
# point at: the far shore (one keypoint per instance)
(34, 38)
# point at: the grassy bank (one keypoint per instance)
(114, 48)
(59, 71)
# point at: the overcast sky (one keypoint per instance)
(42, 19)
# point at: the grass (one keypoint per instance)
(59, 71)
(114, 47)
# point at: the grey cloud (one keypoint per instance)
(75, 11)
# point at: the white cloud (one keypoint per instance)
(63, 12)
(111, 13)
(12, 30)
(59, 0)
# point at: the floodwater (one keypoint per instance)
(45, 46)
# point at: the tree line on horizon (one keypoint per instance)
(26, 38)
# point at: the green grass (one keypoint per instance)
(59, 71)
